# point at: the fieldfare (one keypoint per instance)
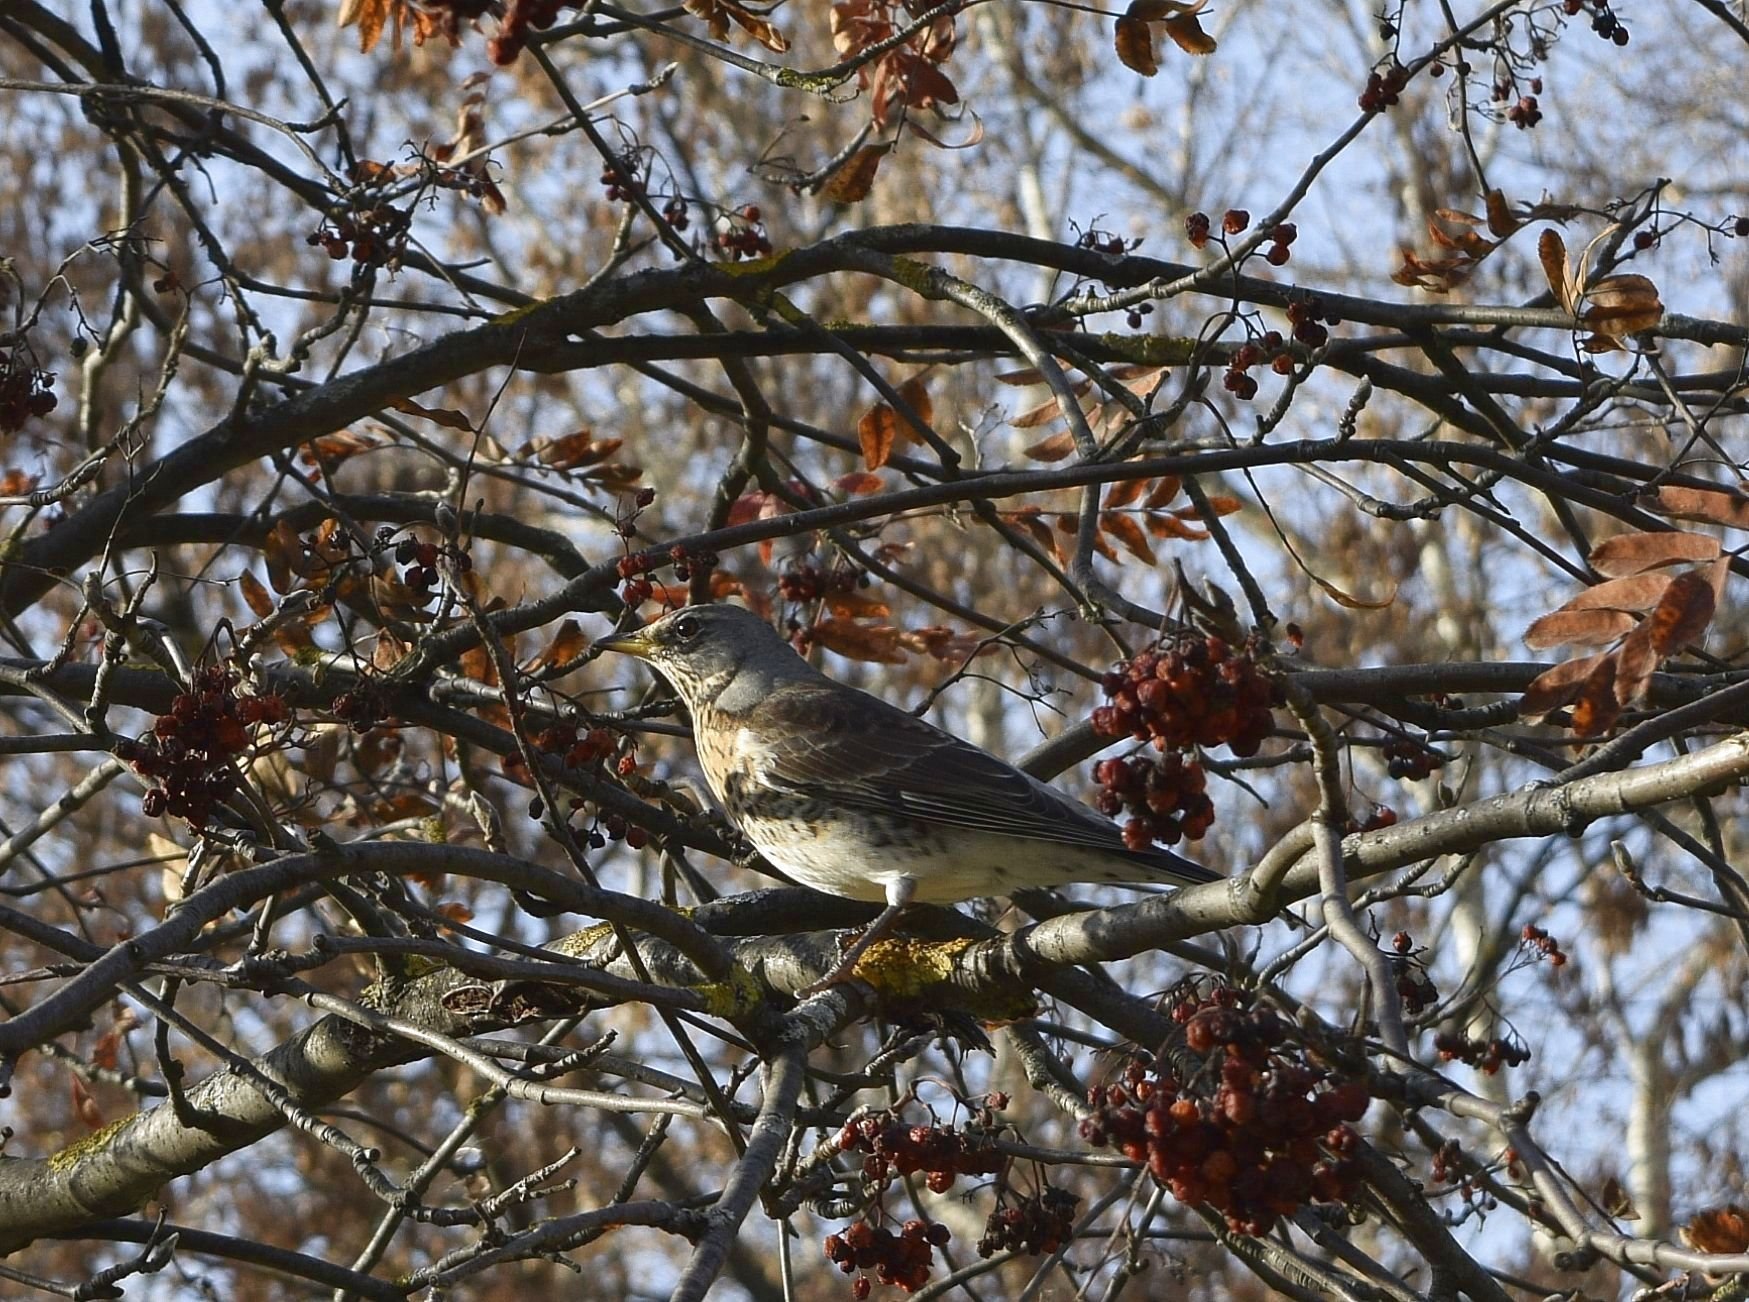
(854, 797)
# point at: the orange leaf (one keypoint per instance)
(255, 595)
(1134, 43)
(1551, 251)
(857, 605)
(1165, 489)
(1123, 493)
(877, 644)
(1578, 628)
(859, 483)
(1635, 663)
(852, 182)
(1597, 708)
(566, 646)
(1718, 1229)
(1048, 410)
(1553, 688)
(1187, 34)
(1683, 614)
(1632, 553)
(1170, 526)
(881, 427)
(1501, 222)
(1055, 448)
(370, 15)
(1342, 598)
(573, 450)
(1125, 529)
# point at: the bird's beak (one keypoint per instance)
(635, 643)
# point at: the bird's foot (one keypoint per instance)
(845, 967)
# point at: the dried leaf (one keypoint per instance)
(875, 644)
(1055, 448)
(1553, 688)
(1165, 489)
(1636, 661)
(283, 551)
(1187, 34)
(1710, 506)
(255, 595)
(1634, 553)
(1551, 251)
(370, 16)
(1616, 1201)
(881, 426)
(567, 645)
(1048, 410)
(1170, 526)
(1124, 493)
(853, 182)
(447, 417)
(1683, 614)
(572, 450)
(1129, 533)
(1577, 628)
(1597, 709)
(1635, 592)
(1501, 222)
(1134, 43)
(1342, 598)
(1622, 305)
(84, 1106)
(857, 605)
(1718, 1229)
(859, 483)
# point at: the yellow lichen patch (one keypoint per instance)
(907, 970)
(80, 1149)
(753, 266)
(736, 997)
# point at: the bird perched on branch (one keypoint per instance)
(854, 797)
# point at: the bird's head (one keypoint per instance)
(703, 650)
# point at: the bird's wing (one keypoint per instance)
(856, 751)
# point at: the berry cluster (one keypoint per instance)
(894, 1148)
(1485, 1055)
(741, 234)
(1273, 1134)
(1193, 691)
(623, 179)
(1197, 229)
(687, 563)
(1036, 1225)
(674, 213)
(1167, 799)
(903, 1259)
(1603, 19)
(1525, 113)
(25, 391)
(420, 562)
(1384, 88)
(520, 17)
(1283, 235)
(1105, 242)
(190, 755)
(361, 707)
(1414, 987)
(809, 582)
(1249, 354)
(1407, 758)
(1309, 318)
(374, 237)
(636, 589)
(1546, 946)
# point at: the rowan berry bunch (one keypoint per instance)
(1407, 758)
(741, 234)
(894, 1148)
(809, 582)
(419, 561)
(1039, 1224)
(636, 589)
(1166, 798)
(902, 1259)
(1486, 1054)
(1384, 88)
(1308, 317)
(1282, 236)
(1191, 691)
(623, 179)
(191, 753)
(374, 237)
(1257, 1131)
(361, 707)
(1414, 987)
(25, 390)
(1603, 19)
(687, 563)
(1545, 945)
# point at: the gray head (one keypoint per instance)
(714, 654)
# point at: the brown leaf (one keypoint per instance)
(876, 644)
(881, 426)
(1635, 592)
(859, 483)
(447, 417)
(1577, 628)
(1124, 493)
(1187, 34)
(1165, 489)
(370, 15)
(1622, 305)
(569, 643)
(1170, 526)
(572, 450)
(852, 182)
(1553, 688)
(1055, 448)
(1709, 506)
(1046, 411)
(1349, 600)
(1125, 529)
(1633, 553)
(1636, 661)
(1501, 222)
(389, 651)
(283, 551)
(1718, 1229)
(1597, 709)
(1616, 1202)
(255, 595)
(717, 14)
(1551, 251)
(1134, 43)
(1683, 614)
(84, 1106)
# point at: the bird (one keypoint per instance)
(850, 795)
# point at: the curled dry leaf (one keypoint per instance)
(872, 643)
(1636, 661)
(1634, 553)
(881, 427)
(1596, 709)
(1635, 592)
(1718, 1229)
(1577, 628)
(1055, 448)
(853, 182)
(1128, 533)
(1133, 38)
(1555, 687)
(717, 14)
(1683, 613)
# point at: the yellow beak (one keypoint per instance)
(636, 643)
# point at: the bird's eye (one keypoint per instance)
(686, 628)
